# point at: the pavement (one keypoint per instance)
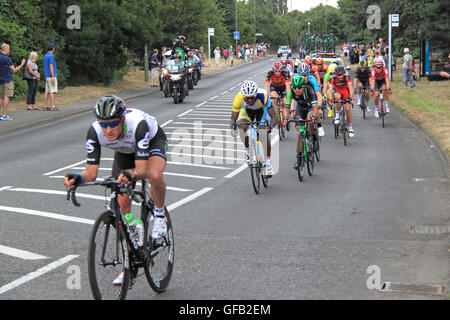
(24, 119)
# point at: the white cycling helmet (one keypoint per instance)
(249, 89)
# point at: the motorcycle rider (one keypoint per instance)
(179, 47)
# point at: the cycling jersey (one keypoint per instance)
(304, 101)
(262, 101)
(139, 129)
(384, 74)
(313, 81)
(341, 86)
(363, 76)
(321, 71)
(279, 81)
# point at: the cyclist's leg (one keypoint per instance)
(123, 161)
(155, 169)
(385, 97)
(337, 105)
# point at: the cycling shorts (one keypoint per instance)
(280, 90)
(254, 115)
(379, 83)
(303, 111)
(158, 147)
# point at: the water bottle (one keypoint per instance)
(136, 229)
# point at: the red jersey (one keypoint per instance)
(384, 74)
(279, 81)
(340, 84)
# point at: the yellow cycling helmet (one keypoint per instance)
(331, 67)
(362, 63)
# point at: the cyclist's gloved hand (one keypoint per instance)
(73, 179)
(233, 127)
(126, 177)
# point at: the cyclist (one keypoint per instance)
(307, 107)
(321, 69)
(341, 89)
(326, 82)
(140, 152)
(253, 104)
(277, 80)
(305, 70)
(362, 77)
(380, 80)
(288, 65)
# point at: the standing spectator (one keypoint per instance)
(51, 81)
(407, 69)
(154, 67)
(33, 82)
(247, 54)
(225, 54)
(6, 80)
(217, 56)
(231, 55)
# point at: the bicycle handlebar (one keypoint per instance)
(109, 182)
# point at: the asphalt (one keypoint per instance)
(24, 119)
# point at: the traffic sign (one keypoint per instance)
(395, 20)
(236, 35)
(211, 31)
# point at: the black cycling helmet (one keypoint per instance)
(339, 69)
(109, 107)
(182, 38)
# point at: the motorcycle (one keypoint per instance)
(175, 82)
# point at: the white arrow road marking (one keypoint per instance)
(22, 254)
(37, 273)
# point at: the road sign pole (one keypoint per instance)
(209, 49)
(390, 47)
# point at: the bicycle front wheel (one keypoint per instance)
(161, 253)
(255, 171)
(108, 258)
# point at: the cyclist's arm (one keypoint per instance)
(289, 100)
(350, 88)
(237, 104)
(386, 76)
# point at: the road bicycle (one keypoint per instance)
(114, 250)
(342, 127)
(280, 123)
(381, 107)
(363, 105)
(256, 159)
(304, 152)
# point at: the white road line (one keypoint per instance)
(212, 98)
(21, 254)
(197, 165)
(165, 123)
(37, 273)
(207, 124)
(204, 156)
(50, 215)
(188, 198)
(58, 192)
(184, 113)
(237, 171)
(188, 176)
(203, 140)
(203, 128)
(207, 148)
(61, 169)
(201, 118)
(197, 134)
(200, 104)
(5, 188)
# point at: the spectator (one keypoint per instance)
(247, 54)
(51, 81)
(445, 73)
(6, 80)
(407, 69)
(217, 56)
(154, 67)
(32, 70)
(225, 54)
(231, 55)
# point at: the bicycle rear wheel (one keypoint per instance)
(108, 257)
(161, 254)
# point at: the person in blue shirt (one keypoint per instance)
(6, 79)
(51, 82)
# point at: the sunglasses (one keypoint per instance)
(339, 74)
(111, 124)
(379, 67)
(249, 98)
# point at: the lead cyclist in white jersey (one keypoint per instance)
(140, 146)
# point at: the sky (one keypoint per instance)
(304, 5)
